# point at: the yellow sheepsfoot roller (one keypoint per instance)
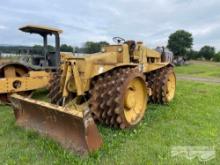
(74, 129)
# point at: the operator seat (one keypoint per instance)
(131, 47)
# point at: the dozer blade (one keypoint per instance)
(73, 129)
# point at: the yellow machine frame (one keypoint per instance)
(112, 87)
(83, 69)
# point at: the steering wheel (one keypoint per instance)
(118, 40)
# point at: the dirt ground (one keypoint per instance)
(198, 79)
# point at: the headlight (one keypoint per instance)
(120, 49)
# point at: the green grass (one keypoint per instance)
(200, 69)
(192, 119)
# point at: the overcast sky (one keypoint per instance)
(145, 20)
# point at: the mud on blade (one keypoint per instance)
(74, 130)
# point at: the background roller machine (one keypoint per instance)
(33, 71)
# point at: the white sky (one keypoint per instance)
(145, 20)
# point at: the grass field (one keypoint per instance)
(200, 69)
(192, 119)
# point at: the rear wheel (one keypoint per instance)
(134, 101)
(163, 85)
(119, 97)
(170, 87)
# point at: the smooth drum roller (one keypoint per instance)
(13, 70)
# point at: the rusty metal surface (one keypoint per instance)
(157, 81)
(107, 94)
(54, 88)
(74, 130)
(39, 29)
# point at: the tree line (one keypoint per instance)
(88, 47)
(181, 42)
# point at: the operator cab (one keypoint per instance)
(47, 59)
(131, 46)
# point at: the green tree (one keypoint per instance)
(217, 57)
(102, 43)
(93, 47)
(192, 54)
(66, 48)
(37, 49)
(207, 52)
(78, 49)
(50, 48)
(180, 42)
